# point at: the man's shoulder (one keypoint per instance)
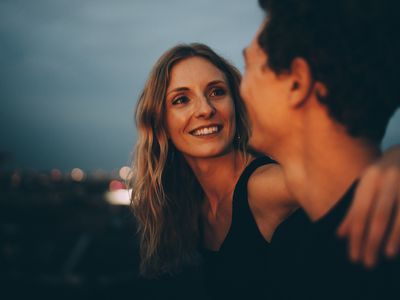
(316, 263)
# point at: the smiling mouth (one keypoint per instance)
(204, 131)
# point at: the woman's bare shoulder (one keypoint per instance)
(267, 183)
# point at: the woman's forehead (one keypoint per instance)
(194, 71)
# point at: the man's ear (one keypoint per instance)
(302, 83)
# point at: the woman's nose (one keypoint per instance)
(204, 108)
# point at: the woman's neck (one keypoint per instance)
(218, 175)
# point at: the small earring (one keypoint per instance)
(238, 136)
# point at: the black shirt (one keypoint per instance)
(239, 269)
(314, 264)
(239, 265)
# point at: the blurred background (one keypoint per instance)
(70, 75)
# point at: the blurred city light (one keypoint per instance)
(116, 185)
(119, 197)
(56, 175)
(125, 173)
(77, 174)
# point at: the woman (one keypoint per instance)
(195, 184)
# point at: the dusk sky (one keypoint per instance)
(71, 72)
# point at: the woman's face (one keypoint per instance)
(200, 113)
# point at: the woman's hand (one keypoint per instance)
(373, 221)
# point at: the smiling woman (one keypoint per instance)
(192, 101)
(186, 110)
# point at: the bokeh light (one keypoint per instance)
(77, 174)
(116, 185)
(119, 197)
(125, 173)
(55, 174)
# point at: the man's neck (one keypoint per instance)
(322, 168)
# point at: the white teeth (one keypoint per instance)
(205, 131)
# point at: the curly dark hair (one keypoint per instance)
(351, 46)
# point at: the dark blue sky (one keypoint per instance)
(71, 71)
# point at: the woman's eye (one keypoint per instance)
(217, 92)
(180, 100)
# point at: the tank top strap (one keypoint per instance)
(242, 217)
(250, 168)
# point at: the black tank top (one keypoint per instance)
(238, 268)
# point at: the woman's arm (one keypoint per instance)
(373, 221)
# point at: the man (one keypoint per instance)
(320, 86)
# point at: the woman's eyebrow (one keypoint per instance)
(215, 82)
(179, 89)
(182, 89)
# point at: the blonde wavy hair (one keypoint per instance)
(166, 196)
